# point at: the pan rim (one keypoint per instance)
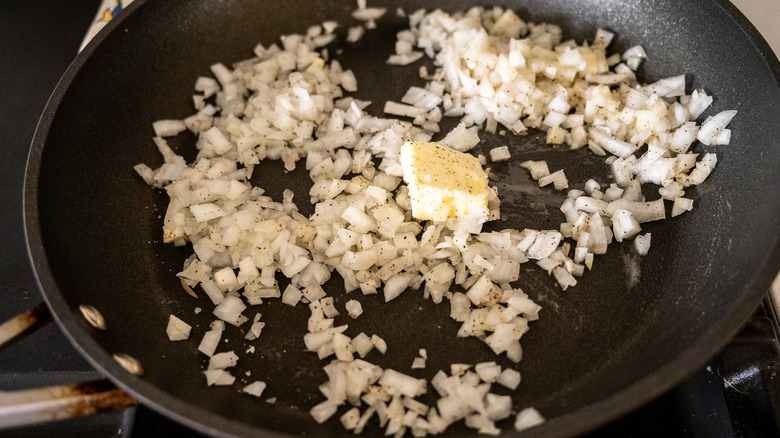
(598, 413)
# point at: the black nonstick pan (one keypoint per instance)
(598, 351)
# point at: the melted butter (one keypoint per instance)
(439, 166)
(443, 183)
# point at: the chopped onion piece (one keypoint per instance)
(538, 169)
(611, 144)
(669, 87)
(177, 329)
(640, 211)
(367, 14)
(291, 296)
(229, 310)
(418, 363)
(223, 360)
(355, 34)
(699, 101)
(681, 205)
(500, 153)
(624, 225)
(401, 384)
(379, 344)
(168, 128)
(400, 109)
(255, 329)
(528, 418)
(642, 243)
(544, 245)
(397, 284)
(714, 126)
(210, 342)
(488, 371)
(323, 411)
(219, 377)
(205, 212)
(509, 378)
(354, 309)
(460, 138)
(350, 419)
(558, 178)
(255, 388)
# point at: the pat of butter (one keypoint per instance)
(444, 183)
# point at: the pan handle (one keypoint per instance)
(23, 324)
(29, 406)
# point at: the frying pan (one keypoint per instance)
(599, 350)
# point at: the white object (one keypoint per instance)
(444, 183)
(177, 329)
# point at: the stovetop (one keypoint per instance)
(733, 395)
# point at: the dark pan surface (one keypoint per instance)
(598, 351)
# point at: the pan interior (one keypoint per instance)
(100, 225)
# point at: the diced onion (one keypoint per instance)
(494, 72)
(528, 418)
(177, 329)
(255, 388)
